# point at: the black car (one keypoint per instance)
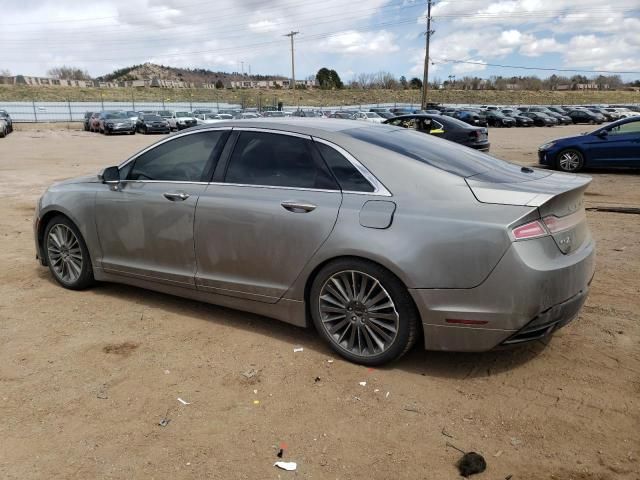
(87, 117)
(116, 122)
(470, 117)
(445, 127)
(152, 123)
(541, 119)
(582, 115)
(608, 116)
(521, 120)
(7, 118)
(562, 118)
(499, 119)
(557, 109)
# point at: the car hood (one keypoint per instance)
(84, 179)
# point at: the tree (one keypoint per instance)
(69, 73)
(385, 80)
(403, 82)
(415, 83)
(328, 79)
(219, 84)
(5, 72)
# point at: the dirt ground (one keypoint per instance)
(86, 377)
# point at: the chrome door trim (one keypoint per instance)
(164, 181)
(271, 130)
(169, 138)
(299, 189)
(378, 187)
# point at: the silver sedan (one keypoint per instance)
(379, 236)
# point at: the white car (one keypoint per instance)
(622, 112)
(4, 128)
(181, 120)
(371, 117)
(204, 118)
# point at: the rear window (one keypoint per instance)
(447, 156)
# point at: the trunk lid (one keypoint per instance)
(559, 198)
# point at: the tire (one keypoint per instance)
(361, 338)
(3, 133)
(67, 254)
(570, 160)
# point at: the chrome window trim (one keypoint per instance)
(164, 181)
(302, 189)
(271, 130)
(168, 139)
(378, 187)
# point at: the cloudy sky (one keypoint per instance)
(350, 36)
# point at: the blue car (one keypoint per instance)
(616, 145)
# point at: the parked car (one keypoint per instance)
(342, 114)
(398, 235)
(115, 122)
(580, 115)
(622, 112)
(521, 120)
(386, 115)
(152, 123)
(541, 119)
(199, 111)
(7, 118)
(448, 128)
(471, 117)
(182, 120)
(273, 114)
(380, 110)
(562, 119)
(132, 116)
(614, 145)
(87, 119)
(4, 128)
(555, 108)
(608, 116)
(496, 118)
(370, 117)
(207, 118)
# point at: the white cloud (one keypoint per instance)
(478, 65)
(360, 43)
(538, 47)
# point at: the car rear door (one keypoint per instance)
(272, 204)
(145, 222)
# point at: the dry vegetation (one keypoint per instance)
(312, 97)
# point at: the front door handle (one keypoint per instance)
(176, 196)
(298, 207)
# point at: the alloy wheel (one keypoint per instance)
(358, 313)
(64, 252)
(570, 161)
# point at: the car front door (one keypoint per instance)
(272, 204)
(619, 147)
(145, 222)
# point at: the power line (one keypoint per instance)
(547, 69)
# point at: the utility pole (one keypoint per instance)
(242, 63)
(425, 78)
(293, 63)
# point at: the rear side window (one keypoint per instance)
(348, 176)
(261, 158)
(183, 159)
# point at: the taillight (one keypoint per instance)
(529, 230)
(559, 224)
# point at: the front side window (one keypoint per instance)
(348, 176)
(183, 159)
(629, 127)
(261, 158)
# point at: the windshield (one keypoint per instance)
(115, 115)
(132, 114)
(449, 156)
(152, 118)
(373, 115)
(164, 113)
(183, 114)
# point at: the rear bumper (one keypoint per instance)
(532, 291)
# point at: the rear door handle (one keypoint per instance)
(298, 207)
(176, 196)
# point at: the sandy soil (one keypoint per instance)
(85, 377)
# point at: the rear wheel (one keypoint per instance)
(570, 160)
(67, 254)
(363, 311)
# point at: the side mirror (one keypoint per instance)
(603, 134)
(110, 175)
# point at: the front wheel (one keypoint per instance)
(67, 254)
(363, 311)
(570, 160)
